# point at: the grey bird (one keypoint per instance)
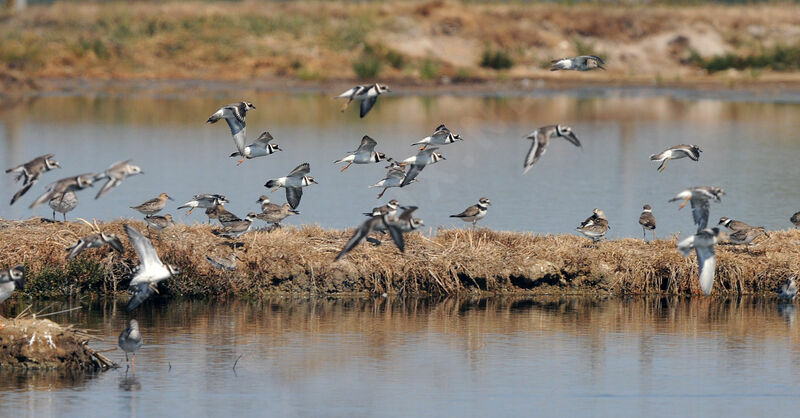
(475, 212)
(63, 203)
(276, 213)
(58, 188)
(579, 63)
(364, 154)
(423, 158)
(237, 228)
(153, 206)
(795, 220)
(366, 228)
(703, 244)
(367, 94)
(29, 173)
(390, 209)
(746, 236)
(541, 137)
(647, 221)
(223, 263)
(595, 226)
(11, 279)
(788, 290)
(158, 222)
(96, 240)
(204, 200)
(234, 114)
(150, 271)
(699, 197)
(394, 177)
(733, 225)
(262, 147)
(441, 136)
(675, 152)
(293, 183)
(115, 174)
(224, 217)
(130, 340)
(406, 222)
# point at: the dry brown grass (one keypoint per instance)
(453, 261)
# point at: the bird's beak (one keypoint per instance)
(601, 67)
(170, 198)
(278, 148)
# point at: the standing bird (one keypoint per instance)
(115, 174)
(58, 188)
(703, 244)
(441, 136)
(260, 148)
(366, 228)
(293, 183)
(647, 221)
(699, 196)
(595, 226)
(29, 173)
(795, 219)
(423, 158)
(153, 206)
(676, 152)
(276, 214)
(365, 154)
(96, 240)
(150, 271)
(11, 279)
(746, 236)
(63, 203)
(204, 200)
(789, 289)
(579, 63)
(367, 94)
(394, 178)
(541, 137)
(475, 212)
(158, 222)
(221, 214)
(733, 225)
(237, 228)
(130, 340)
(234, 114)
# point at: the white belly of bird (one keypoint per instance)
(6, 289)
(152, 276)
(364, 158)
(477, 217)
(253, 151)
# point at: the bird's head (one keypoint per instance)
(485, 201)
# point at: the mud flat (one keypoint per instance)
(450, 261)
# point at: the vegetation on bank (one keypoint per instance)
(777, 58)
(453, 261)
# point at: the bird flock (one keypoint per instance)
(393, 218)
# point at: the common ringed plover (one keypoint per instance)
(29, 173)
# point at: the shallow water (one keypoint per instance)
(450, 357)
(750, 146)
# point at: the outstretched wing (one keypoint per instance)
(238, 131)
(264, 138)
(534, 153)
(700, 207)
(367, 145)
(110, 184)
(407, 212)
(413, 172)
(22, 191)
(396, 234)
(116, 244)
(143, 247)
(293, 195)
(706, 264)
(300, 171)
(140, 292)
(366, 104)
(361, 232)
(76, 249)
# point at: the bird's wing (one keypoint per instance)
(700, 212)
(140, 292)
(470, 211)
(361, 232)
(366, 104)
(706, 264)
(116, 244)
(396, 234)
(110, 184)
(76, 249)
(118, 169)
(148, 257)
(533, 153)
(351, 92)
(22, 191)
(300, 171)
(293, 195)
(413, 172)
(264, 138)
(238, 132)
(594, 57)
(407, 212)
(685, 246)
(367, 145)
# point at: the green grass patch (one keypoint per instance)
(778, 58)
(429, 69)
(496, 60)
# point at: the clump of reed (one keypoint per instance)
(451, 261)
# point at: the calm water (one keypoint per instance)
(452, 357)
(750, 149)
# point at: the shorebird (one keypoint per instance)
(367, 94)
(441, 136)
(364, 154)
(153, 206)
(366, 228)
(745, 236)
(595, 226)
(788, 289)
(130, 340)
(276, 214)
(699, 197)
(58, 188)
(541, 137)
(158, 222)
(795, 219)
(423, 158)
(63, 203)
(266, 205)
(579, 63)
(475, 212)
(647, 221)
(262, 147)
(204, 200)
(406, 222)
(237, 228)
(150, 271)
(11, 279)
(223, 263)
(115, 174)
(234, 114)
(221, 214)
(29, 173)
(733, 225)
(293, 183)
(389, 209)
(676, 152)
(394, 177)
(703, 244)
(96, 240)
